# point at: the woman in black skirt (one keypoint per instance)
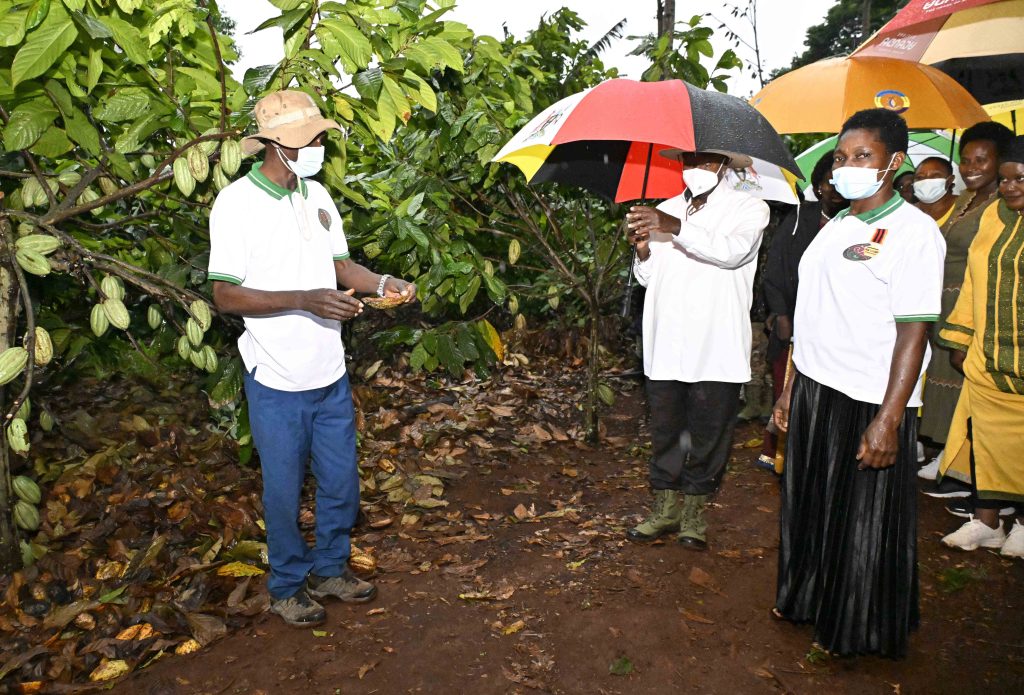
(870, 283)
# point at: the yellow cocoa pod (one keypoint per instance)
(513, 304)
(513, 251)
(112, 287)
(40, 243)
(198, 163)
(98, 320)
(32, 262)
(520, 322)
(197, 359)
(183, 178)
(230, 157)
(220, 181)
(46, 421)
(12, 361)
(108, 185)
(194, 332)
(184, 347)
(25, 515)
(43, 351)
(200, 310)
(209, 359)
(154, 317)
(17, 436)
(26, 489)
(116, 313)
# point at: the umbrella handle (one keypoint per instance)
(627, 299)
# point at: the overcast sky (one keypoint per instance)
(782, 25)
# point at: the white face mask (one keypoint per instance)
(700, 181)
(857, 183)
(930, 190)
(308, 163)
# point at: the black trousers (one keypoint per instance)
(707, 411)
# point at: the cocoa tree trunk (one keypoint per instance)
(10, 555)
(592, 404)
(666, 18)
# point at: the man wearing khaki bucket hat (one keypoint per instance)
(277, 257)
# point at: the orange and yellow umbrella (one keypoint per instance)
(818, 98)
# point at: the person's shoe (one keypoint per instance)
(299, 610)
(930, 471)
(947, 488)
(1014, 544)
(766, 462)
(964, 508)
(976, 534)
(346, 587)
(693, 527)
(664, 518)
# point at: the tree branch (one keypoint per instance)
(220, 67)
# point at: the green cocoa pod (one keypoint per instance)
(194, 332)
(153, 316)
(513, 304)
(25, 409)
(208, 147)
(148, 160)
(89, 195)
(17, 436)
(32, 262)
(220, 181)
(69, 177)
(230, 157)
(184, 348)
(198, 163)
(43, 351)
(197, 359)
(30, 191)
(200, 310)
(183, 178)
(210, 359)
(44, 244)
(117, 313)
(12, 361)
(98, 320)
(26, 489)
(46, 421)
(514, 250)
(108, 185)
(26, 516)
(112, 287)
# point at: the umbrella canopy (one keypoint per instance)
(1009, 113)
(607, 139)
(818, 98)
(977, 42)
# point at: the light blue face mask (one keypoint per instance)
(308, 162)
(857, 183)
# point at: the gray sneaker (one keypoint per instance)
(347, 587)
(299, 610)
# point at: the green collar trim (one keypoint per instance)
(272, 189)
(872, 216)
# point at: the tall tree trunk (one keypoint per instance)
(865, 19)
(10, 555)
(666, 18)
(592, 405)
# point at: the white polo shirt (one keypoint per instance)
(265, 237)
(861, 276)
(696, 324)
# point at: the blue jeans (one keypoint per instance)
(290, 428)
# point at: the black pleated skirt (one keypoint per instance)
(848, 546)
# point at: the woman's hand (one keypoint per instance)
(956, 359)
(879, 445)
(396, 287)
(780, 413)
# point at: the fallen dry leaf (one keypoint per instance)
(366, 668)
(109, 670)
(694, 618)
(187, 647)
(514, 627)
(239, 569)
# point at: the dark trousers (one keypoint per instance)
(707, 411)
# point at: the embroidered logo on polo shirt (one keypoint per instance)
(325, 219)
(861, 252)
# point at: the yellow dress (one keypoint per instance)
(988, 322)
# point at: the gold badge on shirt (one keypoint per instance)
(867, 250)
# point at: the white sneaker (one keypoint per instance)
(1014, 545)
(976, 534)
(930, 471)
(920, 452)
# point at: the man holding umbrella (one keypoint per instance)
(696, 256)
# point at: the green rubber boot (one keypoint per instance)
(693, 527)
(664, 518)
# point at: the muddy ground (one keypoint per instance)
(525, 583)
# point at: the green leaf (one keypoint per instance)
(621, 667)
(285, 21)
(44, 46)
(356, 50)
(229, 386)
(469, 295)
(37, 12)
(82, 131)
(286, 5)
(206, 81)
(129, 6)
(129, 39)
(28, 122)
(12, 28)
(418, 357)
(113, 596)
(131, 139)
(52, 144)
(368, 83)
(92, 76)
(125, 104)
(256, 79)
(399, 104)
(93, 27)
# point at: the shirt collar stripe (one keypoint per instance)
(876, 214)
(271, 188)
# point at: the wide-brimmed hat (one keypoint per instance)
(288, 117)
(736, 160)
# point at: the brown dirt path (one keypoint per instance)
(492, 604)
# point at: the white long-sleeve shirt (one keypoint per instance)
(696, 324)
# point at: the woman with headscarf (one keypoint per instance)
(985, 332)
(980, 148)
(870, 283)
